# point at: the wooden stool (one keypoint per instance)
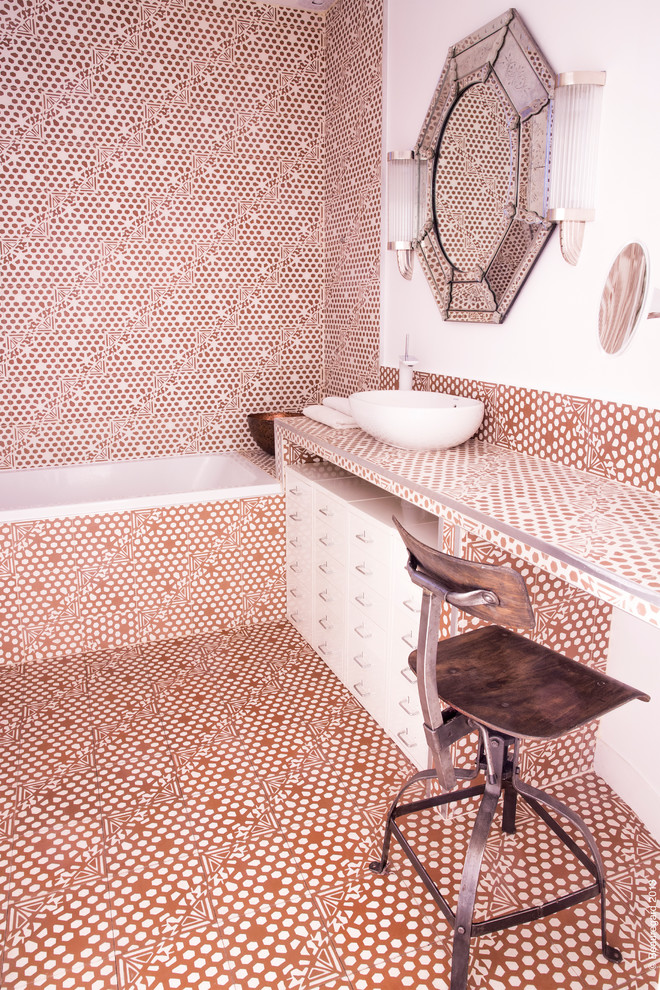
(507, 688)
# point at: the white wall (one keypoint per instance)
(627, 750)
(549, 337)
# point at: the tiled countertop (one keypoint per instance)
(597, 534)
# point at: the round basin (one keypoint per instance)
(417, 420)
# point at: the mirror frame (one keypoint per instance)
(503, 57)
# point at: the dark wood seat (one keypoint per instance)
(498, 683)
(516, 686)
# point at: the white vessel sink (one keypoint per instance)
(417, 420)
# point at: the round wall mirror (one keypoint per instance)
(624, 296)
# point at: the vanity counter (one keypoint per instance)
(598, 535)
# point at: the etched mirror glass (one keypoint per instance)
(623, 298)
(483, 151)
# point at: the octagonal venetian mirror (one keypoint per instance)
(483, 159)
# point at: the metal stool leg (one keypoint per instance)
(509, 808)
(470, 879)
(534, 797)
(379, 866)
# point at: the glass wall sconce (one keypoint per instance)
(575, 129)
(402, 207)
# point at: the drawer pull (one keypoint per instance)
(325, 623)
(361, 662)
(323, 648)
(328, 513)
(408, 674)
(295, 568)
(408, 707)
(363, 538)
(363, 569)
(294, 616)
(361, 600)
(295, 542)
(295, 517)
(362, 635)
(325, 596)
(295, 491)
(405, 739)
(327, 541)
(412, 606)
(409, 640)
(359, 689)
(325, 568)
(294, 593)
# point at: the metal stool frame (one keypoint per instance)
(489, 592)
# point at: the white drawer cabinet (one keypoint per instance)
(362, 610)
(299, 494)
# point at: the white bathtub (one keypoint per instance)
(84, 489)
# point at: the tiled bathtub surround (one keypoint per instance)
(200, 814)
(609, 439)
(118, 579)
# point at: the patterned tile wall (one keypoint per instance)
(161, 224)
(353, 132)
(117, 580)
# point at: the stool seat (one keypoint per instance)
(521, 688)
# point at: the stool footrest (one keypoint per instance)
(532, 797)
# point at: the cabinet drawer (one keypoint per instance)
(328, 596)
(370, 537)
(409, 736)
(369, 570)
(329, 639)
(405, 723)
(298, 592)
(368, 602)
(298, 569)
(299, 614)
(404, 634)
(407, 604)
(329, 569)
(329, 513)
(329, 623)
(366, 665)
(368, 684)
(329, 541)
(299, 539)
(366, 635)
(296, 487)
(298, 496)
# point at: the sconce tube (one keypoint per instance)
(402, 207)
(575, 130)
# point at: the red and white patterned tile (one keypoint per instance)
(161, 247)
(113, 580)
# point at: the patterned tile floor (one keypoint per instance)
(200, 814)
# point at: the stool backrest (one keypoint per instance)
(488, 591)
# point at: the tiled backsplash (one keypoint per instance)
(610, 439)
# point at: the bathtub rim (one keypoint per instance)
(269, 486)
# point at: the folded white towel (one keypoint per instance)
(331, 417)
(336, 402)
